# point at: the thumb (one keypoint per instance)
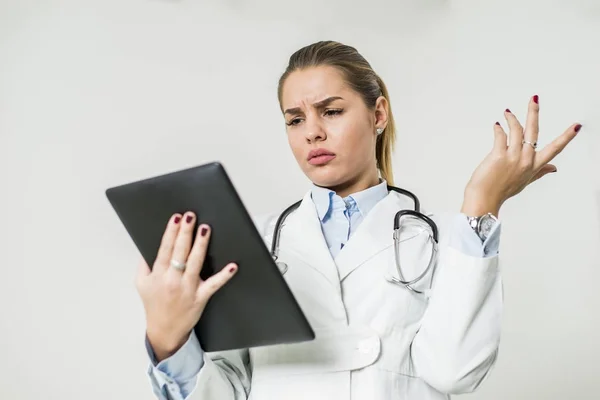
(210, 286)
(546, 169)
(143, 269)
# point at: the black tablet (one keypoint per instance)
(256, 307)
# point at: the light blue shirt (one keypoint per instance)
(175, 377)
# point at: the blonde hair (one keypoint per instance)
(361, 78)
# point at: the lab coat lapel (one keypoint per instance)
(304, 237)
(374, 234)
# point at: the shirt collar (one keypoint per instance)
(323, 198)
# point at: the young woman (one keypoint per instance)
(376, 338)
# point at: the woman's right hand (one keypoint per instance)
(174, 299)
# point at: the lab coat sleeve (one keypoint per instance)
(458, 340)
(224, 376)
(175, 376)
(192, 374)
(464, 239)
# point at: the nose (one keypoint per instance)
(314, 130)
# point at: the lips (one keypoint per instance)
(320, 157)
(319, 153)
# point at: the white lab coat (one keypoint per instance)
(374, 340)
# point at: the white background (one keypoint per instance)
(98, 93)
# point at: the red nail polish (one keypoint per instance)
(497, 123)
(203, 231)
(231, 270)
(536, 99)
(188, 219)
(177, 219)
(507, 110)
(577, 127)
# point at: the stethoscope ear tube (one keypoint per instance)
(276, 231)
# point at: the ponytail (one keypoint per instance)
(386, 141)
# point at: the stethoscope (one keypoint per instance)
(432, 237)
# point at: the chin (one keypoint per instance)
(326, 177)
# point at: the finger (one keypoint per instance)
(167, 242)
(216, 282)
(183, 243)
(532, 126)
(515, 133)
(500, 138)
(548, 153)
(198, 253)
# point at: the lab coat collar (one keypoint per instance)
(375, 234)
(305, 237)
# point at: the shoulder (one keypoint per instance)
(265, 222)
(445, 221)
(442, 218)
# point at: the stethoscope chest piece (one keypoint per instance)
(283, 267)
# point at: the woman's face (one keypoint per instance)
(331, 131)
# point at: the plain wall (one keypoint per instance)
(94, 94)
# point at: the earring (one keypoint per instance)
(379, 131)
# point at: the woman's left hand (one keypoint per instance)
(509, 168)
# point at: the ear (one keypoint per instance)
(381, 112)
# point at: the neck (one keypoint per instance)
(356, 185)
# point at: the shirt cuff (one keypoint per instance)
(464, 239)
(177, 374)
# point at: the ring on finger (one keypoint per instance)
(178, 265)
(532, 144)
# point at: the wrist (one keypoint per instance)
(476, 210)
(164, 346)
(479, 205)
